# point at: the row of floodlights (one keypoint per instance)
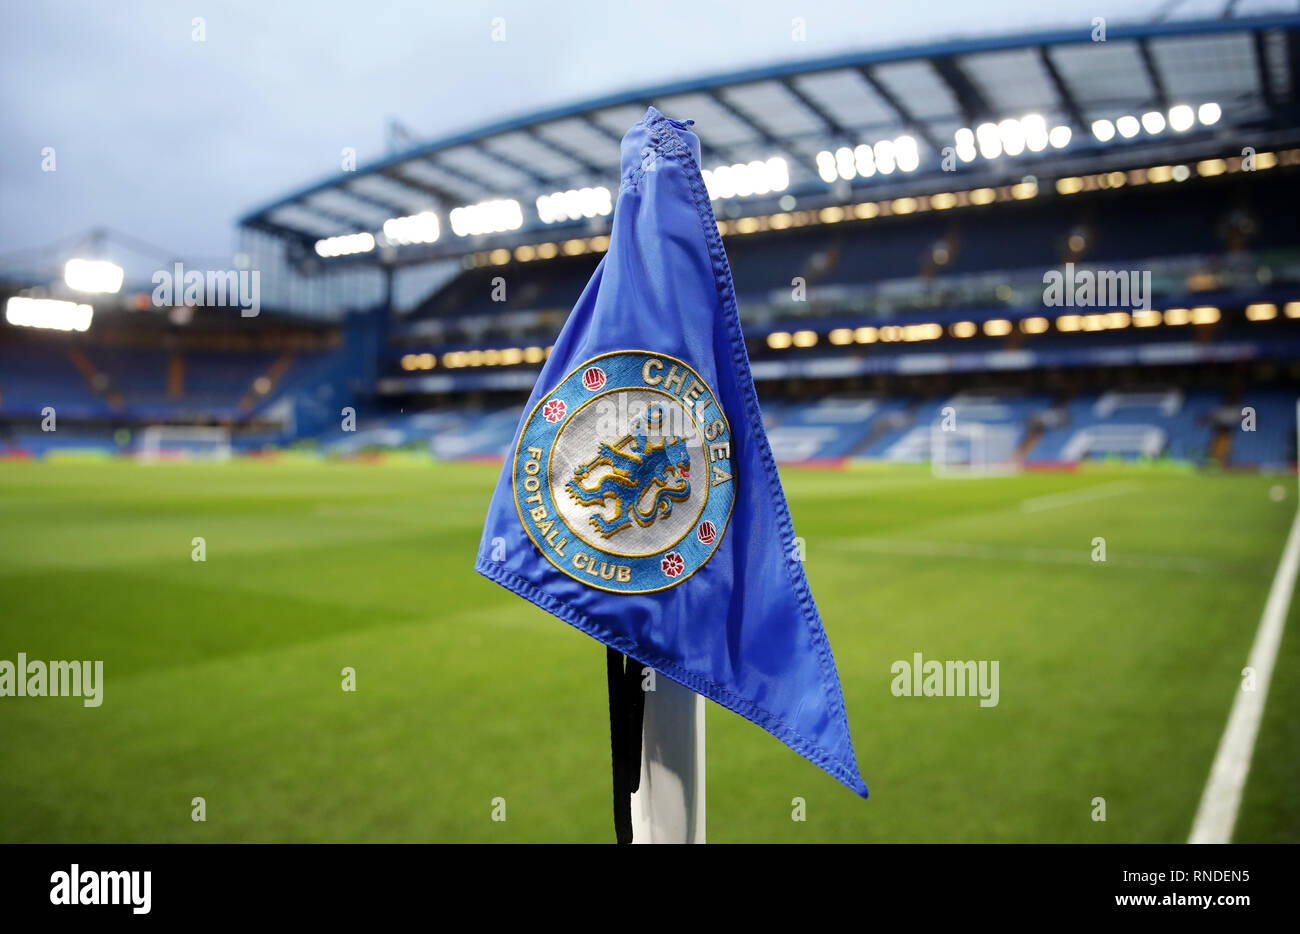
(863, 161)
(1002, 327)
(1010, 137)
(493, 356)
(81, 275)
(471, 220)
(48, 313)
(1179, 119)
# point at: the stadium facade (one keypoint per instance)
(1024, 249)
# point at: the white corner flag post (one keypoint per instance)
(668, 806)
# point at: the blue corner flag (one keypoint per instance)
(641, 502)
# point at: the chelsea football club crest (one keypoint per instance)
(624, 473)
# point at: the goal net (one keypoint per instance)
(973, 449)
(182, 442)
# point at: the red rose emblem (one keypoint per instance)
(672, 564)
(554, 410)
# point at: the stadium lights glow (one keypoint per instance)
(997, 327)
(829, 164)
(1293, 309)
(963, 329)
(1034, 129)
(93, 275)
(1117, 320)
(743, 179)
(827, 167)
(990, 141)
(48, 313)
(345, 245)
(965, 139)
(574, 204)
(1011, 137)
(865, 335)
(922, 332)
(419, 361)
(1261, 311)
(417, 228)
(906, 154)
(1181, 118)
(883, 153)
(863, 161)
(779, 340)
(840, 336)
(804, 338)
(1207, 314)
(492, 356)
(472, 220)
(1036, 325)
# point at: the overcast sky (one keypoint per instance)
(170, 139)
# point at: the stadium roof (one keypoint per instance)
(1000, 107)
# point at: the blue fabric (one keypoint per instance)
(725, 610)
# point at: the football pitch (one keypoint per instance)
(223, 679)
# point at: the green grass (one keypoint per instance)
(223, 677)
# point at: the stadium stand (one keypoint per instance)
(877, 299)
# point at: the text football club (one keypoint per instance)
(624, 473)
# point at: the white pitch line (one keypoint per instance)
(1071, 497)
(1217, 814)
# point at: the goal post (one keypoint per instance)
(183, 442)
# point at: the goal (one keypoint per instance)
(183, 442)
(973, 449)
